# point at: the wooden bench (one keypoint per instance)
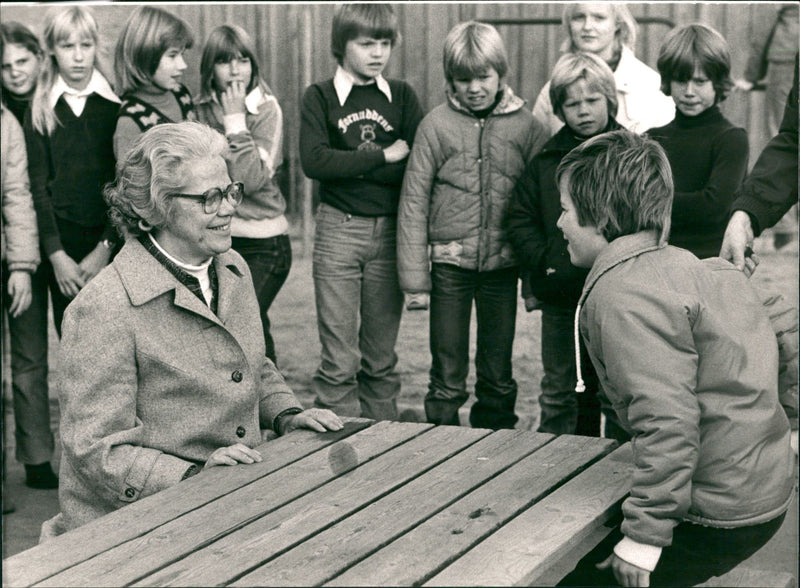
(742, 576)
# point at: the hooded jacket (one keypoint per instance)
(457, 187)
(689, 360)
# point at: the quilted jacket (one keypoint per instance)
(457, 187)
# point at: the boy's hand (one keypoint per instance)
(19, 288)
(68, 274)
(96, 260)
(397, 151)
(233, 454)
(626, 573)
(316, 419)
(418, 301)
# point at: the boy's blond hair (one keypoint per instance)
(472, 47)
(572, 67)
(619, 182)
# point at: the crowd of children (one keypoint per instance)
(576, 197)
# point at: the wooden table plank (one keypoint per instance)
(60, 553)
(269, 536)
(422, 552)
(522, 550)
(341, 546)
(138, 557)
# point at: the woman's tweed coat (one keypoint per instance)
(151, 381)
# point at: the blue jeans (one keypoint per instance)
(28, 336)
(564, 411)
(495, 296)
(269, 261)
(359, 305)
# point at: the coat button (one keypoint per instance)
(130, 492)
(236, 376)
(240, 432)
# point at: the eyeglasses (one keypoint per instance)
(212, 198)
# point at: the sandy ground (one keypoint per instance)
(294, 328)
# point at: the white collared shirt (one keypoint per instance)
(343, 82)
(76, 99)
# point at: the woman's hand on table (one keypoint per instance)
(316, 419)
(233, 454)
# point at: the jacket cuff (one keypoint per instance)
(639, 554)
(234, 123)
(23, 266)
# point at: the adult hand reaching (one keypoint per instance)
(737, 243)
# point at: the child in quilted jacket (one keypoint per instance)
(468, 154)
(690, 362)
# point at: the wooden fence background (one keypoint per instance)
(293, 45)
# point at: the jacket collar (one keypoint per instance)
(619, 250)
(343, 82)
(145, 279)
(566, 140)
(97, 85)
(626, 70)
(509, 103)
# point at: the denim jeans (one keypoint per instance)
(495, 295)
(359, 305)
(269, 261)
(28, 336)
(564, 411)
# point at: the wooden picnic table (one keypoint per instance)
(378, 503)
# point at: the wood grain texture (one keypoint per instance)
(126, 562)
(339, 547)
(524, 548)
(420, 553)
(65, 551)
(269, 536)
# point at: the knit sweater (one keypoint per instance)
(342, 145)
(156, 107)
(708, 156)
(17, 104)
(69, 168)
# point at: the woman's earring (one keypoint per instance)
(145, 226)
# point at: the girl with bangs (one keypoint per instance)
(149, 67)
(69, 131)
(237, 102)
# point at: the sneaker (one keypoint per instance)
(40, 476)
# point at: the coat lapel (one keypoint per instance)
(133, 262)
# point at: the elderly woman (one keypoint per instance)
(162, 369)
(609, 31)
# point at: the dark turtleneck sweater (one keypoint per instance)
(17, 105)
(708, 156)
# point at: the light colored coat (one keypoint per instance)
(151, 381)
(641, 106)
(688, 358)
(20, 237)
(457, 187)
